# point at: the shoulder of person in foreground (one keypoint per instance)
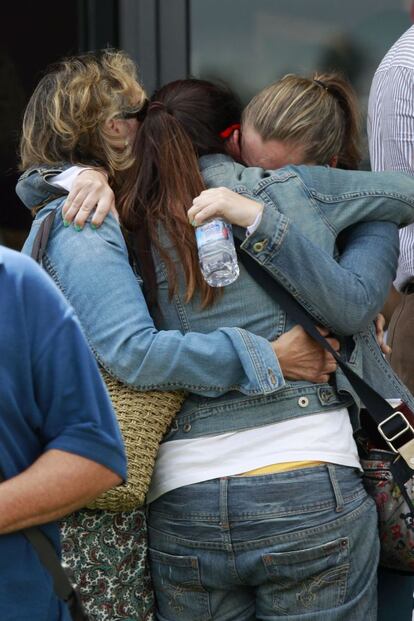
(70, 402)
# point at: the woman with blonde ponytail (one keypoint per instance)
(312, 121)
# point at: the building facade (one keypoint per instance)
(246, 43)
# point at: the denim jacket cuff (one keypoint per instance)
(266, 240)
(261, 366)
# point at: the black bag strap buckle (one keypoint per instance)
(395, 425)
(404, 427)
(398, 432)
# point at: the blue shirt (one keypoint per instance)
(52, 397)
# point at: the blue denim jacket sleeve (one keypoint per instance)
(338, 198)
(92, 269)
(323, 203)
(344, 295)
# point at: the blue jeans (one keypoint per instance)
(301, 545)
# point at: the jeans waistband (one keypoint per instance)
(279, 494)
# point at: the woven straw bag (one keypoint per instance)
(143, 417)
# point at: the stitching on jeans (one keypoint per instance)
(367, 505)
(199, 517)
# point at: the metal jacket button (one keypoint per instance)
(258, 246)
(187, 427)
(303, 402)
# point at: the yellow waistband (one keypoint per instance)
(283, 467)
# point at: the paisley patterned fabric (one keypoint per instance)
(107, 555)
(395, 521)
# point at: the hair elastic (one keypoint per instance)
(156, 105)
(321, 84)
(226, 133)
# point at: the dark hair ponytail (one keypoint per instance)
(183, 121)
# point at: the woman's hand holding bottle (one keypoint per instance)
(223, 203)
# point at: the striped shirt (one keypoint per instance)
(391, 129)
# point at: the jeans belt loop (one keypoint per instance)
(335, 487)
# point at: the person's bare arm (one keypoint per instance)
(224, 203)
(54, 485)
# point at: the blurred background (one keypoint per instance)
(246, 43)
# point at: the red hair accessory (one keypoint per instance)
(226, 133)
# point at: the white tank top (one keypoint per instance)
(323, 437)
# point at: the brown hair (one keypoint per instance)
(64, 119)
(320, 114)
(183, 121)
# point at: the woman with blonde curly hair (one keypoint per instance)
(84, 105)
(84, 111)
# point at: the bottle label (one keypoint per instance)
(216, 230)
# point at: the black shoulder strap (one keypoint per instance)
(395, 425)
(294, 309)
(42, 237)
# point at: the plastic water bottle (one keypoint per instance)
(216, 253)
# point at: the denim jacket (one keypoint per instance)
(93, 271)
(317, 203)
(362, 281)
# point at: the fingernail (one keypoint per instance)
(77, 227)
(65, 223)
(94, 226)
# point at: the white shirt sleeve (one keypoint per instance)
(252, 228)
(67, 178)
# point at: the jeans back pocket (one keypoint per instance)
(177, 583)
(308, 580)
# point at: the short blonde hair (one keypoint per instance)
(65, 117)
(320, 114)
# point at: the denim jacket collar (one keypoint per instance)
(39, 191)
